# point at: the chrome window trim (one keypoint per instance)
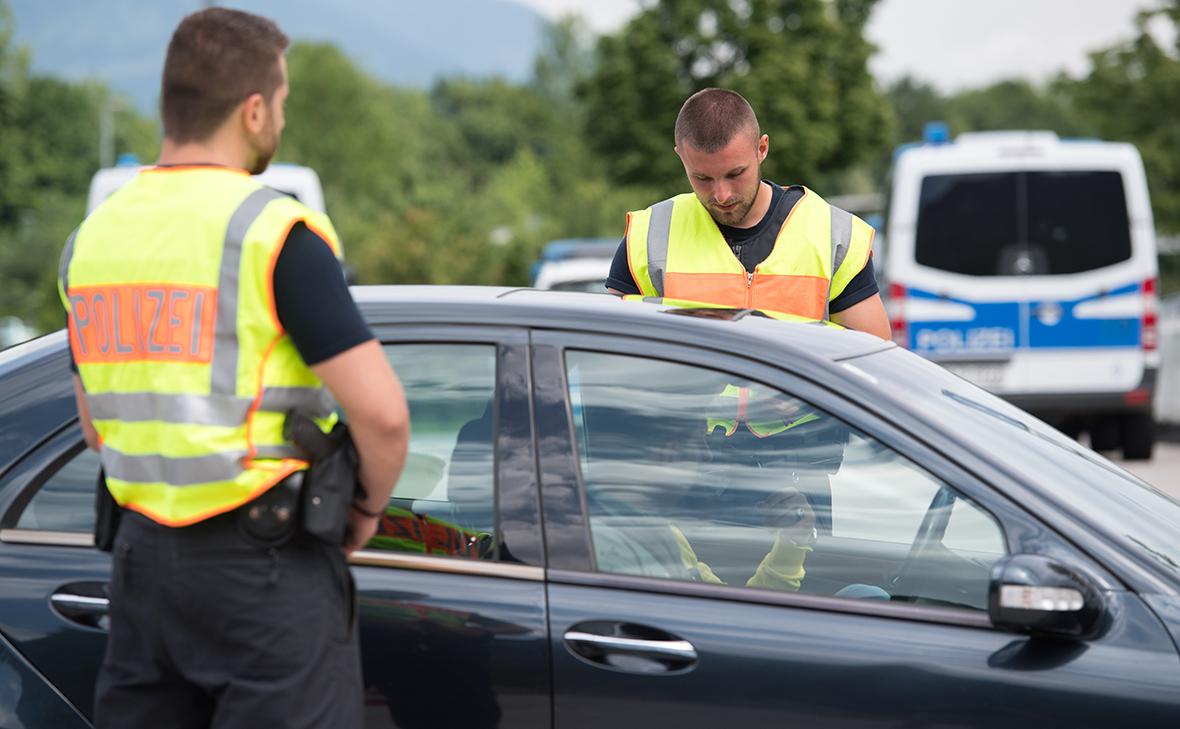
(422, 563)
(365, 557)
(47, 537)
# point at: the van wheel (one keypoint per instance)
(1138, 436)
(1106, 434)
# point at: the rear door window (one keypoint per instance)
(1022, 223)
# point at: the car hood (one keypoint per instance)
(1167, 607)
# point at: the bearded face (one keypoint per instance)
(727, 181)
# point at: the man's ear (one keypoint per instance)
(763, 147)
(253, 113)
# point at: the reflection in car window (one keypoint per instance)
(697, 475)
(65, 502)
(443, 503)
(1117, 503)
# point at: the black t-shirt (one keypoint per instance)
(312, 299)
(752, 246)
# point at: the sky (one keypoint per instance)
(954, 44)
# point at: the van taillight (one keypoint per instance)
(897, 320)
(1150, 336)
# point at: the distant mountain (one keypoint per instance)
(409, 42)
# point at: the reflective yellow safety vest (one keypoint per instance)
(738, 415)
(187, 371)
(676, 250)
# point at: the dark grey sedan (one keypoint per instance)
(623, 515)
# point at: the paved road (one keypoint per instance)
(1162, 471)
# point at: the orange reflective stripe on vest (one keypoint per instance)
(675, 250)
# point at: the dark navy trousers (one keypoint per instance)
(211, 628)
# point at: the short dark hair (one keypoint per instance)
(217, 58)
(710, 118)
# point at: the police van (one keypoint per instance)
(1027, 264)
(301, 183)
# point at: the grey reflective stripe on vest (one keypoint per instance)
(222, 407)
(182, 471)
(224, 378)
(222, 410)
(659, 230)
(841, 240)
(67, 255)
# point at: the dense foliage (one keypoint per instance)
(464, 182)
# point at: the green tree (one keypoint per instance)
(802, 64)
(13, 72)
(48, 152)
(915, 103)
(1131, 94)
(1015, 104)
(463, 184)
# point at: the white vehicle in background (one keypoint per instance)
(1027, 263)
(575, 264)
(301, 183)
(14, 331)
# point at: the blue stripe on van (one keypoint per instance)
(999, 328)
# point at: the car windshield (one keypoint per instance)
(1022, 223)
(1119, 504)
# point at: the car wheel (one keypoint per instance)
(1106, 433)
(1138, 433)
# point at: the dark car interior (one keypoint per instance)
(718, 503)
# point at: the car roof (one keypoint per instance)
(37, 370)
(720, 328)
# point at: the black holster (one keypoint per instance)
(330, 485)
(107, 514)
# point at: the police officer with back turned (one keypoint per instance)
(202, 309)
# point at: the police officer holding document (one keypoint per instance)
(743, 242)
(210, 327)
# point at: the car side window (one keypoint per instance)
(65, 501)
(694, 474)
(444, 502)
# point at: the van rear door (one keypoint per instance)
(1026, 272)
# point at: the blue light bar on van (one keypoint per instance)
(127, 159)
(936, 132)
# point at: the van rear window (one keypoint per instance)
(1022, 223)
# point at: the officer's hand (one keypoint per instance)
(361, 529)
(789, 512)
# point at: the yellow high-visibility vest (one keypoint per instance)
(738, 415)
(676, 251)
(172, 324)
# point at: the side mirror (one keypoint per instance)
(1033, 594)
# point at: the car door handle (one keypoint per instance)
(680, 650)
(80, 603)
(629, 647)
(84, 603)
